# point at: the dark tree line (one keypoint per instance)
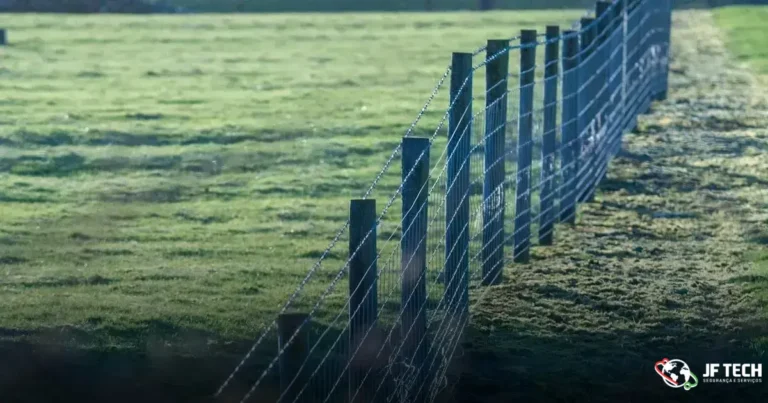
(87, 6)
(485, 4)
(481, 4)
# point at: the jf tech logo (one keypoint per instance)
(676, 374)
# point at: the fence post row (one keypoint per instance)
(524, 147)
(456, 273)
(569, 162)
(494, 199)
(613, 68)
(414, 262)
(363, 293)
(548, 209)
(293, 356)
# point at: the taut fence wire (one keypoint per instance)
(383, 323)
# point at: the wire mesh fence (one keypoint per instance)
(505, 165)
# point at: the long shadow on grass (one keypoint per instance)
(596, 366)
(535, 344)
(60, 369)
(169, 364)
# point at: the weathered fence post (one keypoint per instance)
(619, 30)
(645, 9)
(362, 294)
(569, 163)
(666, 26)
(624, 62)
(414, 261)
(654, 42)
(522, 229)
(601, 55)
(632, 32)
(547, 198)
(587, 103)
(494, 199)
(293, 356)
(3, 37)
(456, 272)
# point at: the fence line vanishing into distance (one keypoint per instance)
(470, 199)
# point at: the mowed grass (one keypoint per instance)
(746, 32)
(160, 173)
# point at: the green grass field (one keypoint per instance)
(167, 179)
(746, 33)
(172, 172)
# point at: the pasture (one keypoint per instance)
(170, 172)
(166, 182)
(745, 34)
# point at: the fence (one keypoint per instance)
(474, 196)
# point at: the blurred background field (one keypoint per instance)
(746, 31)
(164, 172)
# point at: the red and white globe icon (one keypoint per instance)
(676, 374)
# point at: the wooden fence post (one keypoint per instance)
(549, 153)
(666, 25)
(569, 163)
(602, 64)
(620, 86)
(363, 306)
(645, 10)
(634, 33)
(456, 272)
(294, 354)
(522, 229)
(494, 200)
(414, 262)
(587, 105)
